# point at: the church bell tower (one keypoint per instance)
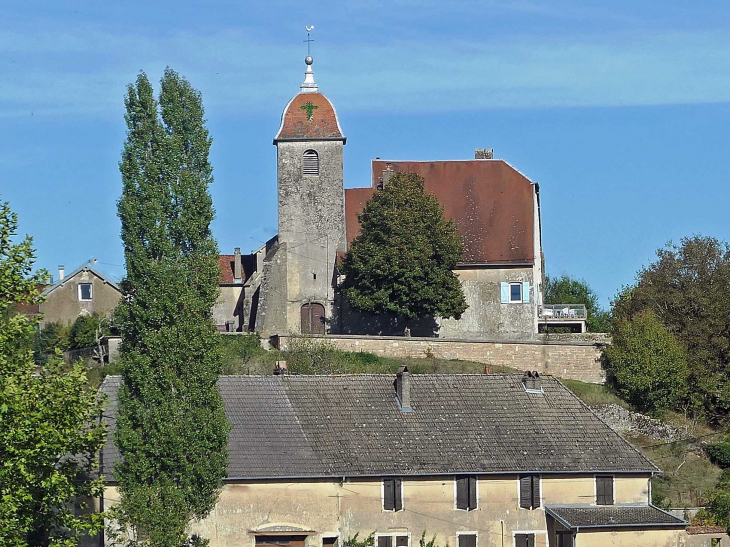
(310, 185)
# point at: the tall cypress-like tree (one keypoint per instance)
(172, 431)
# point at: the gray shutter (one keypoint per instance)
(608, 490)
(526, 491)
(388, 495)
(520, 540)
(467, 540)
(535, 491)
(600, 492)
(398, 487)
(472, 493)
(462, 493)
(530, 540)
(385, 541)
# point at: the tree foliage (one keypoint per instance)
(171, 430)
(688, 288)
(402, 261)
(49, 421)
(567, 290)
(646, 363)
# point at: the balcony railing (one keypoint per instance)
(563, 312)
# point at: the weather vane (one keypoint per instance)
(308, 40)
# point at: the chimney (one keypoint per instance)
(280, 368)
(61, 272)
(484, 154)
(531, 382)
(403, 389)
(387, 173)
(237, 278)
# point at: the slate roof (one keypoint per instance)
(490, 201)
(613, 516)
(351, 425)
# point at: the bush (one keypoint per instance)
(720, 454)
(85, 329)
(53, 336)
(646, 364)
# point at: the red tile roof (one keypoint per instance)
(490, 201)
(296, 124)
(225, 263)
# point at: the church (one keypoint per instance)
(290, 284)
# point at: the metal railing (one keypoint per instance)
(562, 312)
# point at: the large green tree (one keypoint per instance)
(50, 428)
(172, 430)
(403, 260)
(568, 290)
(688, 288)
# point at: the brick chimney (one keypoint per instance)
(403, 389)
(484, 154)
(237, 277)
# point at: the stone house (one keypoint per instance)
(84, 291)
(499, 460)
(291, 285)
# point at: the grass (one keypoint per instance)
(594, 394)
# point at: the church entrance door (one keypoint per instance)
(313, 318)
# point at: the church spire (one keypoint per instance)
(309, 85)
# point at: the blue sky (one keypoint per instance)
(619, 110)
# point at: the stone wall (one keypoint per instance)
(565, 359)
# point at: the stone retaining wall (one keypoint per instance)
(565, 359)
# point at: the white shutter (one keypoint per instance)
(310, 163)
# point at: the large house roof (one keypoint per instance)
(82, 268)
(351, 425)
(489, 200)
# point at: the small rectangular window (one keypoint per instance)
(565, 539)
(604, 490)
(515, 292)
(385, 541)
(401, 541)
(329, 541)
(467, 540)
(392, 540)
(524, 540)
(529, 491)
(466, 493)
(392, 494)
(85, 291)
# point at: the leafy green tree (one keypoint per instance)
(52, 337)
(171, 430)
(567, 290)
(402, 262)
(87, 329)
(688, 288)
(646, 363)
(49, 420)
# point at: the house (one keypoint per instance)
(291, 286)
(499, 460)
(84, 291)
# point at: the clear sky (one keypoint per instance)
(619, 110)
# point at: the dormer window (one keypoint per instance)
(310, 163)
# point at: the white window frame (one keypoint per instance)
(91, 292)
(456, 494)
(541, 506)
(595, 488)
(518, 301)
(393, 535)
(467, 534)
(382, 499)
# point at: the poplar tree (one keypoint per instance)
(171, 430)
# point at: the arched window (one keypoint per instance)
(310, 165)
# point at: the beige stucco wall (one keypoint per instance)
(228, 306)
(63, 304)
(631, 538)
(342, 509)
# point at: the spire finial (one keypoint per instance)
(309, 85)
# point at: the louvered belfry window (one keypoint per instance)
(310, 163)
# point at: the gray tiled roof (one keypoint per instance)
(612, 516)
(307, 426)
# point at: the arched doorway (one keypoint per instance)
(312, 318)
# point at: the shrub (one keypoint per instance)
(720, 454)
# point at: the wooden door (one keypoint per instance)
(313, 318)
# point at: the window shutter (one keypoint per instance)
(535, 491)
(462, 493)
(472, 493)
(398, 487)
(385, 541)
(525, 491)
(467, 540)
(530, 540)
(521, 540)
(504, 287)
(310, 165)
(388, 494)
(609, 490)
(526, 293)
(600, 491)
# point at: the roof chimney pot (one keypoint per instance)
(484, 154)
(61, 272)
(403, 389)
